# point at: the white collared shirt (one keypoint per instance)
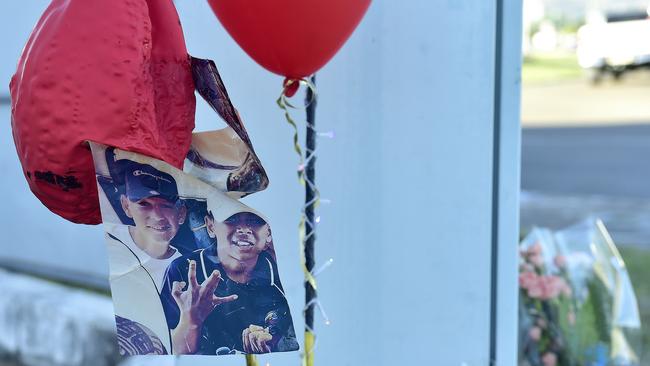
(136, 280)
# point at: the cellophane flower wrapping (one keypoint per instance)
(577, 306)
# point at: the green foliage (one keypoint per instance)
(637, 261)
(573, 337)
(550, 68)
(565, 24)
(601, 301)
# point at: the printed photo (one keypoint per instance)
(192, 270)
(224, 158)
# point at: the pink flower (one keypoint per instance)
(543, 287)
(571, 317)
(552, 286)
(549, 359)
(555, 286)
(537, 260)
(535, 333)
(535, 291)
(527, 279)
(535, 249)
(560, 261)
(541, 323)
(539, 287)
(558, 285)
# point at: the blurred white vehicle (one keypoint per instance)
(619, 43)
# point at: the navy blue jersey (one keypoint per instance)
(260, 302)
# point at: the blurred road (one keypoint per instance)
(586, 151)
(571, 173)
(611, 161)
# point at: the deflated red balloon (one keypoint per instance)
(292, 38)
(110, 71)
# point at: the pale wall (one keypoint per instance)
(410, 174)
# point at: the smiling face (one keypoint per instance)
(241, 237)
(155, 217)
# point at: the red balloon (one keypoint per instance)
(110, 71)
(292, 38)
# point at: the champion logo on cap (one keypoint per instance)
(140, 172)
(144, 181)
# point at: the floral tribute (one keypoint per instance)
(577, 305)
(546, 297)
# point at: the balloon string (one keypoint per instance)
(284, 104)
(307, 225)
(312, 197)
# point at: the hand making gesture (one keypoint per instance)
(195, 303)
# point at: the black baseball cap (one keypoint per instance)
(144, 181)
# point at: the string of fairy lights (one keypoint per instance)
(308, 218)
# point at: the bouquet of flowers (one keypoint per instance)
(577, 305)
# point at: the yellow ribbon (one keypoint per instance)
(296, 144)
(309, 277)
(251, 360)
(308, 359)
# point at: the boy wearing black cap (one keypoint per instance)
(140, 254)
(151, 201)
